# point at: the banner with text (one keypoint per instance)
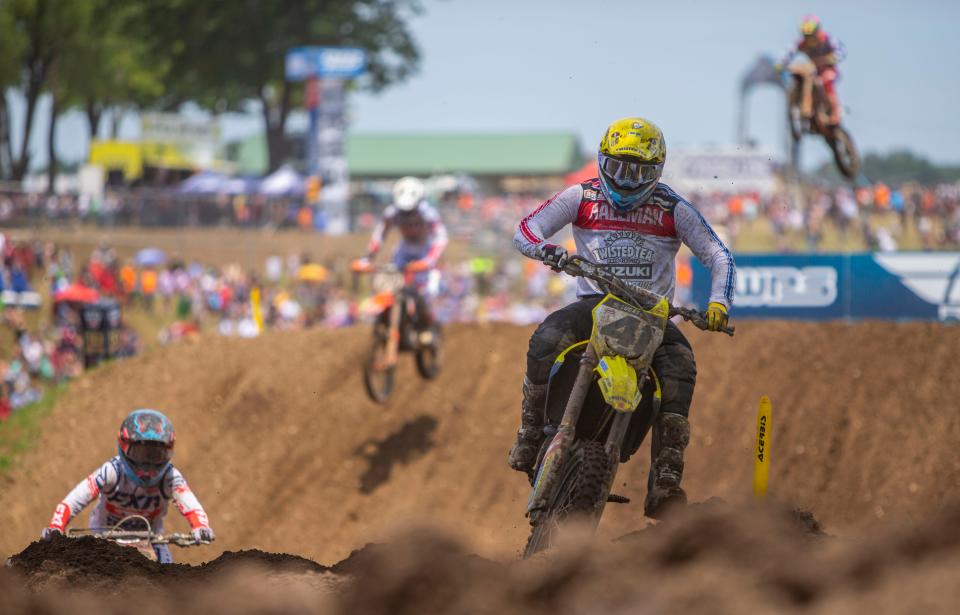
(894, 286)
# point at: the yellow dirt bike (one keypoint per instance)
(135, 531)
(603, 397)
(397, 303)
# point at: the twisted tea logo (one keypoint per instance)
(786, 287)
(625, 255)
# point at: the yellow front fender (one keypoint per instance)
(618, 383)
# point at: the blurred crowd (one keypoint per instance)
(152, 207)
(33, 355)
(878, 216)
(182, 299)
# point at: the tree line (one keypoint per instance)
(109, 57)
(897, 167)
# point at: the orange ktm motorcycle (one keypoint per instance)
(800, 80)
(399, 327)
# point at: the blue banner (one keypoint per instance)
(893, 286)
(325, 63)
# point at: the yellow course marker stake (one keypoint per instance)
(761, 457)
(256, 309)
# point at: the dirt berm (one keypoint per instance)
(280, 443)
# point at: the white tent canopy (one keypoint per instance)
(285, 181)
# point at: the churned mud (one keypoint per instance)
(278, 440)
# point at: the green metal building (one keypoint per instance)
(514, 162)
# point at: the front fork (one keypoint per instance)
(393, 332)
(556, 454)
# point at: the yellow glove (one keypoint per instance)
(716, 316)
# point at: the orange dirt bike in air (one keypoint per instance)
(602, 398)
(800, 80)
(397, 329)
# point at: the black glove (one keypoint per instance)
(554, 256)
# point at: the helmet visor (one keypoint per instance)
(148, 454)
(629, 175)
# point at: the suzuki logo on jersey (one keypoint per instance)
(633, 272)
(130, 499)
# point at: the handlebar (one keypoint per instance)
(364, 266)
(176, 539)
(577, 266)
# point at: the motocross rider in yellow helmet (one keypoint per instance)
(628, 220)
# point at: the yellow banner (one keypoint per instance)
(124, 156)
(761, 457)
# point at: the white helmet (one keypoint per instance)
(407, 193)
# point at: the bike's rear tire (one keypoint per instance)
(378, 379)
(430, 358)
(845, 153)
(581, 493)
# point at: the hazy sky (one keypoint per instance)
(515, 65)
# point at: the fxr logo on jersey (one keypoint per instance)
(132, 500)
(60, 516)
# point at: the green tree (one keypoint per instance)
(110, 65)
(12, 45)
(65, 25)
(897, 167)
(46, 29)
(225, 54)
(32, 19)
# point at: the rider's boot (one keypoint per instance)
(835, 110)
(525, 450)
(426, 332)
(806, 99)
(672, 434)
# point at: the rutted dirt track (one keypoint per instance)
(278, 440)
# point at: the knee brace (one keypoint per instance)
(677, 370)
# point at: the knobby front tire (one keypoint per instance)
(581, 494)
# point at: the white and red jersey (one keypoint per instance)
(639, 246)
(422, 231)
(119, 496)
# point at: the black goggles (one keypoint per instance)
(149, 453)
(629, 175)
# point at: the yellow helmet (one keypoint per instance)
(809, 25)
(631, 157)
